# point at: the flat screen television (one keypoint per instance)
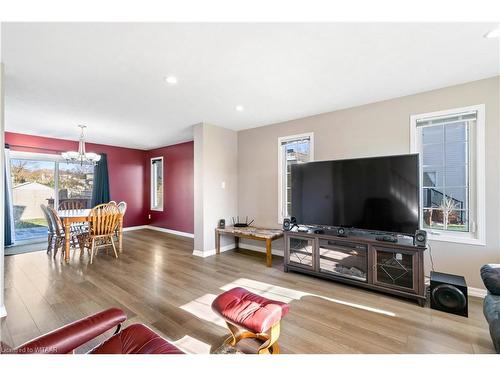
(377, 194)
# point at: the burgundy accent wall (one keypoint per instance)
(178, 187)
(125, 167)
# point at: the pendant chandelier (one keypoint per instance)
(81, 156)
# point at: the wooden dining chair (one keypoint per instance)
(71, 205)
(51, 229)
(74, 205)
(59, 231)
(122, 207)
(103, 220)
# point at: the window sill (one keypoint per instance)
(461, 240)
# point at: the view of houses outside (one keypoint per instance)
(33, 184)
(445, 176)
(296, 152)
(75, 182)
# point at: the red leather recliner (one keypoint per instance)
(135, 339)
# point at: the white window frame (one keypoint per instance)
(152, 183)
(280, 166)
(477, 180)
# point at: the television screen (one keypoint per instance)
(379, 194)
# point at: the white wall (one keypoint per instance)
(2, 194)
(373, 130)
(198, 188)
(215, 163)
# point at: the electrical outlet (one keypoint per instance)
(149, 216)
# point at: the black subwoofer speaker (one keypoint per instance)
(449, 293)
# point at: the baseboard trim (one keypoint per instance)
(209, 253)
(477, 292)
(170, 231)
(126, 229)
(242, 245)
(160, 229)
(3, 311)
(260, 249)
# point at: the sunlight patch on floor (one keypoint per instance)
(287, 295)
(201, 308)
(191, 345)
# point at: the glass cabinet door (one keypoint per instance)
(395, 268)
(301, 252)
(345, 259)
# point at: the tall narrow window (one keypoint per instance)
(291, 150)
(157, 184)
(451, 148)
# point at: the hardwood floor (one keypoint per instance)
(157, 281)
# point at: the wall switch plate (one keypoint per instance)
(223, 184)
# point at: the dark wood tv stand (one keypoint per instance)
(358, 258)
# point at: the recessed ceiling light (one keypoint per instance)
(240, 108)
(493, 33)
(171, 80)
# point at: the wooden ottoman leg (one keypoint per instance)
(234, 334)
(237, 335)
(272, 341)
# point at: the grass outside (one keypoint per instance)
(31, 223)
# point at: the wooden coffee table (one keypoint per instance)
(252, 233)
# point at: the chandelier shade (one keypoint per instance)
(81, 155)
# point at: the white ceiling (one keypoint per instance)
(110, 76)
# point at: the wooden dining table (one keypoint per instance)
(69, 217)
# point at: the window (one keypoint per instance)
(451, 147)
(291, 150)
(157, 184)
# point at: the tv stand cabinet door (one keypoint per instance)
(300, 251)
(396, 268)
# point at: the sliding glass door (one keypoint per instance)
(45, 179)
(33, 184)
(74, 184)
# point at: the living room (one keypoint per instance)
(288, 188)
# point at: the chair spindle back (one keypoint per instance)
(48, 218)
(71, 205)
(56, 220)
(104, 219)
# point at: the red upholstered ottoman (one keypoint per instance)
(257, 316)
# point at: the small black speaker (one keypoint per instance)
(289, 223)
(341, 232)
(222, 223)
(420, 238)
(286, 224)
(449, 293)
